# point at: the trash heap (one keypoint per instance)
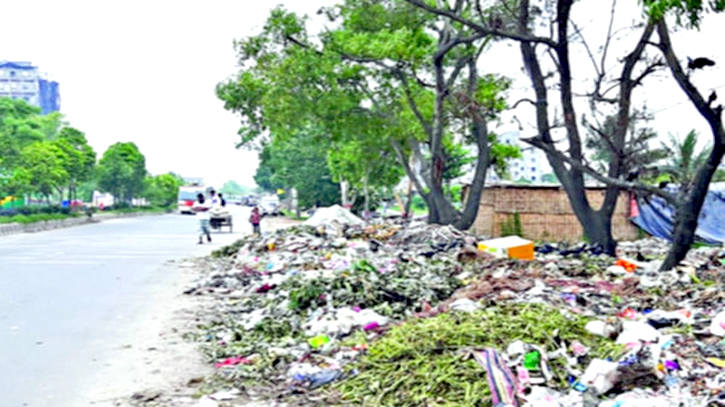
(339, 312)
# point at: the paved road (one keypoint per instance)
(66, 294)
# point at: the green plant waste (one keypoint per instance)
(426, 362)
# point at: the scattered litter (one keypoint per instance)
(394, 313)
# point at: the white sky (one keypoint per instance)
(672, 110)
(145, 71)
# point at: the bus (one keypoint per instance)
(187, 196)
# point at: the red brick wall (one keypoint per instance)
(545, 212)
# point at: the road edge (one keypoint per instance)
(41, 226)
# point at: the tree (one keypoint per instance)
(163, 189)
(232, 187)
(80, 158)
(369, 169)
(640, 156)
(297, 163)
(517, 21)
(121, 171)
(682, 159)
(690, 198)
(42, 169)
(570, 165)
(366, 80)
(20, 126)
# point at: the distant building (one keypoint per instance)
(532, 166)
(23, 80)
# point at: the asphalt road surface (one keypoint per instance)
(67, 295)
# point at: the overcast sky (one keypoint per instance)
(145, 71)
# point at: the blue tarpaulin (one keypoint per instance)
(656, 216)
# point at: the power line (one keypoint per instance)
(681, 102)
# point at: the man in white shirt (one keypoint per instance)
(214, 199)
(201, 208)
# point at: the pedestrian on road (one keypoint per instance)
(215, 199)
(201, 208)
(255, 218)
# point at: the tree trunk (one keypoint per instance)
(688, 211)
(690, 204)
(408, 200)
(597, 229)
(344, 192)
(683, 234)
(480, 131)
(366, 197)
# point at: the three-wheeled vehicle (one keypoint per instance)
(217, 220)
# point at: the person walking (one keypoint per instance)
(214, 198)
(201, 208)
(255, 218)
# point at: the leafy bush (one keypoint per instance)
(36, 217)
(34, 210)
(417, 202)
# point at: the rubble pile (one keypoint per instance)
(339, 312)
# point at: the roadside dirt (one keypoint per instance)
(156, 366)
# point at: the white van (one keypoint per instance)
(269, 205)
(187, 196)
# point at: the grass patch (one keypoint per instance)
(38, 217)
(425, 362)
(293, 215)
(416, 211)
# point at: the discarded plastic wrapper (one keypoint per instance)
(333, 214)
(628, 265)
(233, 361)
(601, 375)
(539, 396)
(578, 349)
(637, 331)
(226, 395)
(501, 381)
(206, 401)
(717, 327)
(532, 360)
(324, 377)
(318, 341)
(513, 247)
(600, 328)
(465, 305)
(716, 362)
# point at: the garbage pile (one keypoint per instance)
(422, 315)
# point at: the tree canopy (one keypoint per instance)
(386, 86)
(121, 171)
(298, 163)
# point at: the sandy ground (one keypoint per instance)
(155, 365)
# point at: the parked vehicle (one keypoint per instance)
(250, 200)
(270, 206)
(187, 196)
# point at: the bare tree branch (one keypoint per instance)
(605, 50)
(406, 165)
(521, 101)
(586, 47)
(480, 28)
(626, 185)
(681, 77)
(413, 105)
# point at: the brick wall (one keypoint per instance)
(545, 212)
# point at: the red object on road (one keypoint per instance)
(233, 361)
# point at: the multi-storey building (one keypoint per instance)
(23, 80)
(530, 167)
